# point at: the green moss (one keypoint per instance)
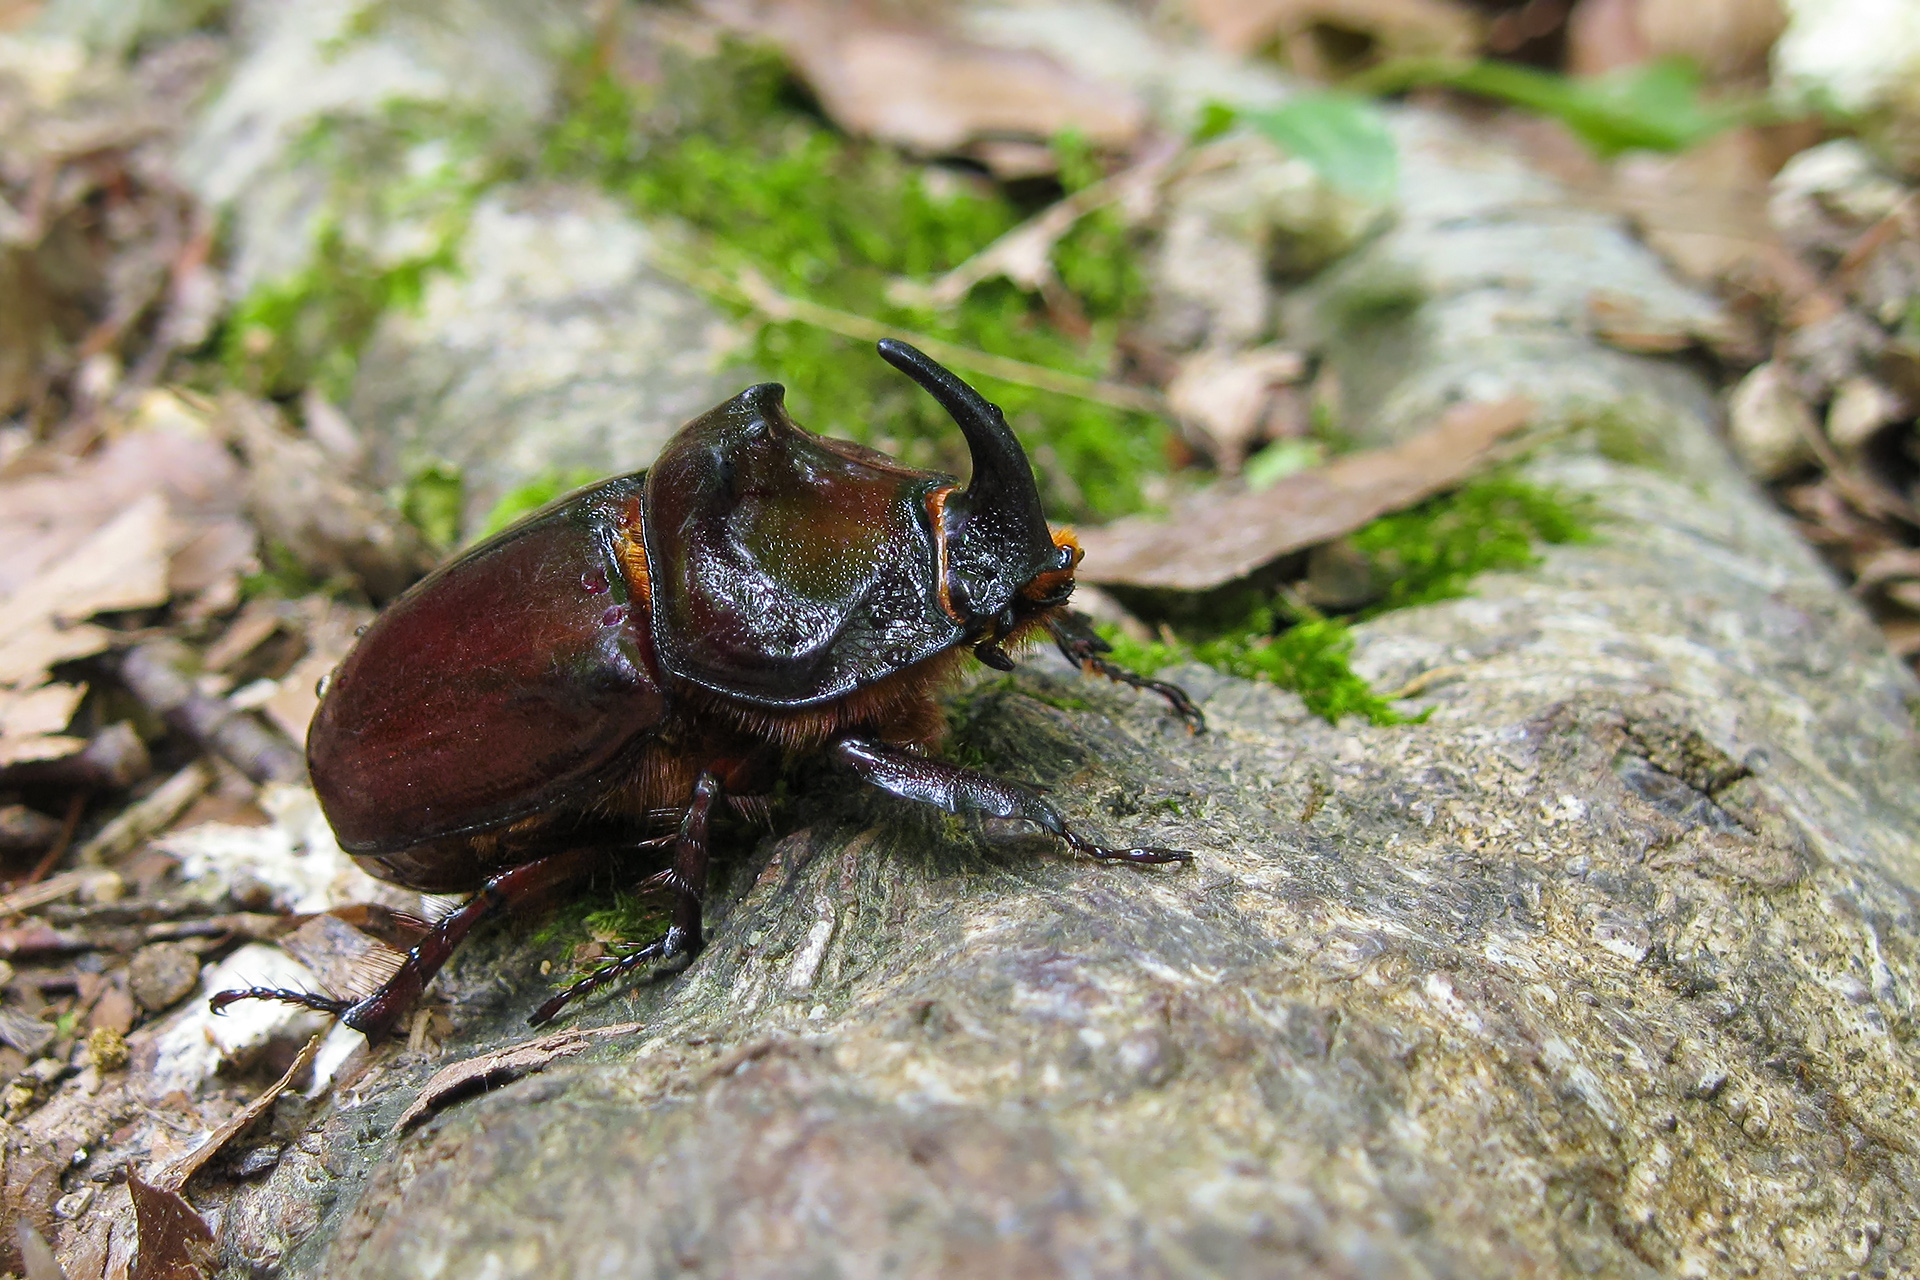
(310, 328)
(1376, 293)
(531, 496)
(431, 502)
(1427, 553)
(1628, 433)
(601, 915)
(1055, 698)
(282, 576)
(628, 917)
(1310, 657)
(722, 145)
(417, 166)
(1431, 551)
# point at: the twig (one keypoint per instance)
(1424, 681)
(752, 289)
(153, 673)
(149, 815)
(41, 893)
(76, 805)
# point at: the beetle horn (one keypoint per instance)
(997, 530)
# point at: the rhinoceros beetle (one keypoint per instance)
(650, 644)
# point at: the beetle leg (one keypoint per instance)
(959, 790)
(687, 877)
(1084, 648)
(512, 888)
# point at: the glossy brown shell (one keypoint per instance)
(789, 568)
(496, 687)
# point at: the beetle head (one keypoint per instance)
(1004, 565)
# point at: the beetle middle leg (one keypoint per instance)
(960, 790)
(687, 878)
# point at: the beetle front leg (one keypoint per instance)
(1081, 645)
(687, 878)
(959, 790)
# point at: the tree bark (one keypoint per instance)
(1608, 967)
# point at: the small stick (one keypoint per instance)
(148, 816)
(753, 289)
(75, 807)
(152, 672)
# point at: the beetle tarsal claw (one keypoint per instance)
(1152, 855)
(219, 1001)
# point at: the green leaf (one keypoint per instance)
(532, 496)
(1279, 460)
(1655, 106)
(1342, 135)
(431, 502)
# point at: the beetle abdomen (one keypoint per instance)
(494, 687)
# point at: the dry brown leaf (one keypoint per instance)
(1605, 35)
(1225, 395)
(29, 1184)
(1727, 39)
(122, 566)
(32, 721)
(331, 629)
(175, 1242)
(176, 1175)
(503, 1065)
(1215, 538)
(1398, 28)
(928, 90)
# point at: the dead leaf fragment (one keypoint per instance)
(348, 962)
(929, 90)
(503, 1065)
(32, 720)
(1727, 39)
(176, 1175)
(1396, 28)
(123, 566)
(175, 1242)
(1225, 395)
(1215, 538)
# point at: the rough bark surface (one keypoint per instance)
(1608, 967)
